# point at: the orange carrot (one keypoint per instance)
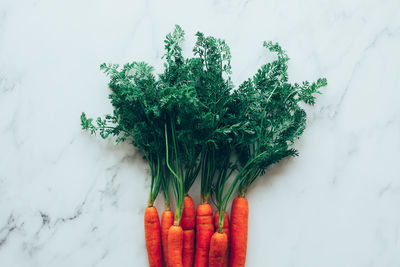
(175, 246)
(188, 223)
(218, 249)
(239, 224)
(188, 214)
(204, 231)
(188, 248)
(153, 236)
(167, 220)
(225, 230)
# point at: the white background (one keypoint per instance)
(71, 199)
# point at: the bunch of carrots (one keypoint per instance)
(190, 122)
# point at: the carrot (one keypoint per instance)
(188, 248)
(175, 246)
(218, 250)
(153, 237)
(239, 224)
(188, 223)
(204, 231)
(188, 214)
(225, 230)
(167, 220)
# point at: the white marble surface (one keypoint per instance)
(71, 199)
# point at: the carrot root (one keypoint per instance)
(188, 214)
(188, 248)
(175, 246)
(239, 228)
(204, 231)
(152, 231)
(188, 223)
(226, 230)
(218, 249)
(167, 220)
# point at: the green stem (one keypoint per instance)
(165, 183)
(240, 177)
(178, 183)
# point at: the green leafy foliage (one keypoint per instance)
(180, 106)
(136, 116)
(271, 106)
(189, 120)
(213, 86)
(270, 119)
(158, 115)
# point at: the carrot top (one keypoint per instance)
(134, 96)
(268, 108)
(213, 86)
(271, 106)
(190, 120)
(148, 110)
(181, 109)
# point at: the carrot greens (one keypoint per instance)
(213, 86)
(271, 106)
(136, 116)
(180, 106)
(271, 119)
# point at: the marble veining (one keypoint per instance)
(71, 199)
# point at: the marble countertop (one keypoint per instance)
(71, 199)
